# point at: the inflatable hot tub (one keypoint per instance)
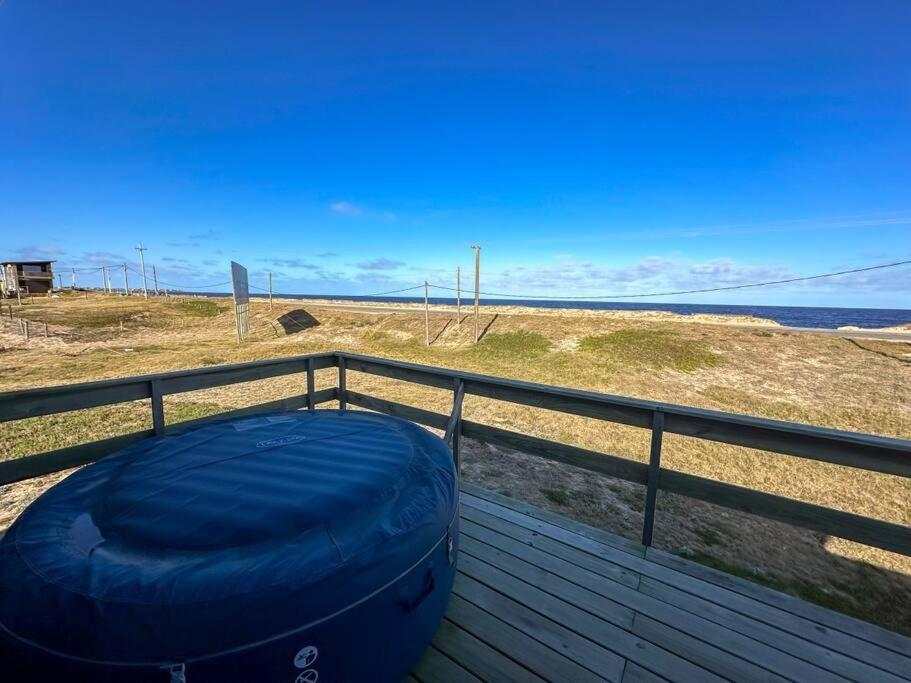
(291, 547)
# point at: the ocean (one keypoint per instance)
(791, 316)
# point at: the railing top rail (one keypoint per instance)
(866, 451)
(882, 453)
(39, 401)
(61, 389)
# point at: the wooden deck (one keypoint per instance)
(539, 597)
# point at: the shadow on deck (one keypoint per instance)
(539, 597)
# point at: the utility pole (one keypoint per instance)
(142, 261)
(104, 279)
(477, 287)
(60, 280)
(155, 278)
(126, 284)
(74, 279)
(270, 290)
(426, 317)
(459, 297)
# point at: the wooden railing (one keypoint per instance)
(862, 451)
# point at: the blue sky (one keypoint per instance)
(591, 148)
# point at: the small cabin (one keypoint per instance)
(27, 277)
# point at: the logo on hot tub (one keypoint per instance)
(281, 441)
(305, 657)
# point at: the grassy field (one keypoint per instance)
(821, 380)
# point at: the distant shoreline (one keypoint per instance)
(804, 318)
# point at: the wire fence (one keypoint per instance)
(184, 287)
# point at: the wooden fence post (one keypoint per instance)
(654, 469)
(157, 408)
(426, 317)
(342, 384)
(310, 384)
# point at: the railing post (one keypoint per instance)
(342, 385)
(157, 408)
(310, 404)
(453, 432)
(654, 470)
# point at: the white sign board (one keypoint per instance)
(241, 289)
(239, 282)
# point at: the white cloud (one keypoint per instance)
(39, 250)
(567, 277)
(380, 264)
(345, 208)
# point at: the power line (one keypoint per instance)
(692, 291)
(395, 291)
(171, 284)
(767, 283)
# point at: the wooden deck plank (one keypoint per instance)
(553, 635)
(501, 635)
(435, 667)
(842, 622)
(871, 653)
(629, 561)
(712, 658)
(510, 537)
(792, 645)
(636, 674)
(552, 583)
(835, 640)
(619, 542)
(612, 637)
(539, 598)
(598, 565)
(825, 658)
(476, 656)
(748, 653)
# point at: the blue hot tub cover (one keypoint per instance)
(237, 532)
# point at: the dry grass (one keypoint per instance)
(659, 348)
(815, 379)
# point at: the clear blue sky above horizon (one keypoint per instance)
(350, 148)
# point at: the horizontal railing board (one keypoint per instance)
(290, 403)
(844, 448)
(51, 400)
(602, 463)
(16, 405)
(419, 415)
(392, 369)
(26, 467)
(29, 466)
(873, 532)
(175, 385)
(864, 451)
